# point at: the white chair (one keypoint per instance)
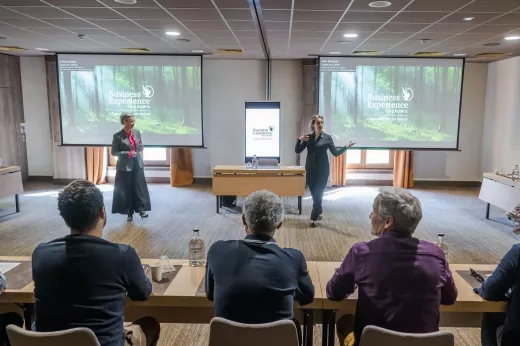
(228, 333)
(377, 336)
(75, 336)
(267, 163)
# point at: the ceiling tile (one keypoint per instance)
(340, 5)
(144, 13)
(449, 28)
(397, 5)
(184, 3)
(231, 3)
(41, 12)
(493, 29)
(390, 35)
(507, 19)
(492, 6)
(317, 16)
(242, 25)
(93, 12)
(403, 27)
(205, 25)
(73, 23)
(237, 14)
(478, 18)
(165, 24)
(436, 5)
(20, 3)
(21, 22)
(277, 25)
(419, 17)
(109, 24)
(277, 34)
(316, 26)
(111, 3)
(247, 34)
(357, 27)
(196, 14)
(276, 15)
(310, 34)
(368, 16)
(209, 34)
(276, 4)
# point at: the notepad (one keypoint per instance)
(7, 266)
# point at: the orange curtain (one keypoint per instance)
(181, 167)
(96, 164)
(403, 169)
(339, 170)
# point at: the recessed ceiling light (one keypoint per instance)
(492, 44)
(468, 18)
(42, 49)
(512, 38)
(3, 38)
(126, 2)
(343, 41)
(350, 35)
(197, 51)
(380, 4)
(459, 54)
(334, 52)
(172, 33)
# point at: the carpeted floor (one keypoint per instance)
(176, 211)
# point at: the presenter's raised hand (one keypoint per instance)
(304, 138)
(351, 144)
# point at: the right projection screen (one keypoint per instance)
(392, 103)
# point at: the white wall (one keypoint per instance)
(501, 139)
(463, 165)
(36, 111)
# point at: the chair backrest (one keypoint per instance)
(224, 332)
(75, 336)
(267, 162)
(376, 336)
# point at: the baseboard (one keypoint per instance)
(63, 181)
(203, 181)
(150, 180)
(41, 178)
(368, 182)
(446, 183)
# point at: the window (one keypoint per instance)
(370, 159)
(151, 157)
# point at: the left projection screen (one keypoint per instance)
(163, 92)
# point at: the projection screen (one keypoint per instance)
(163, 92)
(392, 103)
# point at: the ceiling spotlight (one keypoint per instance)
(425, 40)
(197, 51)
(459, 54)
(492, 44)
(468, 18)
(380, 4)
(343, 41)
(334, 52)
(42, 49)
(183, 40)
(172, 33)
(350, 35)
(126, 2)
(512, 38)
(3, 38)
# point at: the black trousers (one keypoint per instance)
(5, 320)
(131, 192)
(317, 189)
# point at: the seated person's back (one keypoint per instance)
(82, 280)
(401, 280)
(254, 280)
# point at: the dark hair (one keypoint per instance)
(80, 203)
(125, 116)
(313, 121)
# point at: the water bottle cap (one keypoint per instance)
(440, 234)
(195, 230)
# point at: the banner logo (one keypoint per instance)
(148, 91)
(407, 94)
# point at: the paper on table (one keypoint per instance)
(7, 266)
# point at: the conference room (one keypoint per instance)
(180, 113)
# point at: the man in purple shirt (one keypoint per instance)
(401, 280)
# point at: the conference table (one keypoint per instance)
(11, 183)
(180, 297)
(286, 181)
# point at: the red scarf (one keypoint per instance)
(132, 143)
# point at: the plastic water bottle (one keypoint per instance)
(196, 250)
(442, 244)
(516, 174)
(1, 162)
(255, 162)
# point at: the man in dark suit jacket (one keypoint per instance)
(254, 280)
(121, 147)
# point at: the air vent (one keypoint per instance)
(228, 51)
(135, 50)
(366, 52)
(11, 48)
(491, 55)
(429, 54)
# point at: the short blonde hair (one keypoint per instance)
(313, 121)
(125, 116)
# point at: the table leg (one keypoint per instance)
(218, 204)
(308, 327)
(17, 200)
(487, 211)
(325, 327)
(28, 312)
(300, 205)
(332, 327)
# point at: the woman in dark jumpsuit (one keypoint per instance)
(317, 166)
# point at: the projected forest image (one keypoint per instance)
(164, 99)
(405, 103)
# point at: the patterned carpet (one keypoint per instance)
(176, 211)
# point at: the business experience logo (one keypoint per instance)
(148, 91)
(264, 133)
(407, 94)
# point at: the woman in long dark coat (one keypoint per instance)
(317, 166)
(130, 189)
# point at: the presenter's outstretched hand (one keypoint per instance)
(304, 138)
(351, 144)
(134, 154)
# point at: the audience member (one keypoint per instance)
(8, 317)
(503, 329)
(254, 280)
(82, 280)
(401, 280)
